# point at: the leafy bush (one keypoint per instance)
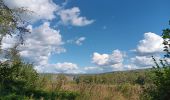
(16, 77)
(161, 80)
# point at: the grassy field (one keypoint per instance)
(126, 85)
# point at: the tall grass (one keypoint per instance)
(105, 92)
(129, 86)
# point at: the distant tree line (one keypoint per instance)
(133, 77)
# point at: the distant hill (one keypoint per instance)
(108, 77)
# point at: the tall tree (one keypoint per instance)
(11, 21)
(15, 75)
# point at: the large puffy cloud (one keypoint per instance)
(100, 59)
(44, 40)
(38, 45)
(72, 17)
(106, 62)
(48, 10)
(38, 9)
(108, 59)
(150, 45)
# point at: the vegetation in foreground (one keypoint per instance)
(19, 81)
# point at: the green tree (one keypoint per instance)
(161, 80)
(11, 21)
(17, 76)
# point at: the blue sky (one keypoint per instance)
(94, 36)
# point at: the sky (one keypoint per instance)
(91, 36)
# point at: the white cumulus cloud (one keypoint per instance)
(72, 17)
(142, 61)
(43, 39)
(108, 59)
(150, 45)
(41, 43)
(39, 9)
(38, 45)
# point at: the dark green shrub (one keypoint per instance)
(14, 97)
(140, 80)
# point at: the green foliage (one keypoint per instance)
(11, 21)
(19, 80)
(133, 77)
(16, 76)
(140, 80)
(7, 20)
(161, 80)
(160, 89)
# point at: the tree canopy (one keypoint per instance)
(11, 21)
